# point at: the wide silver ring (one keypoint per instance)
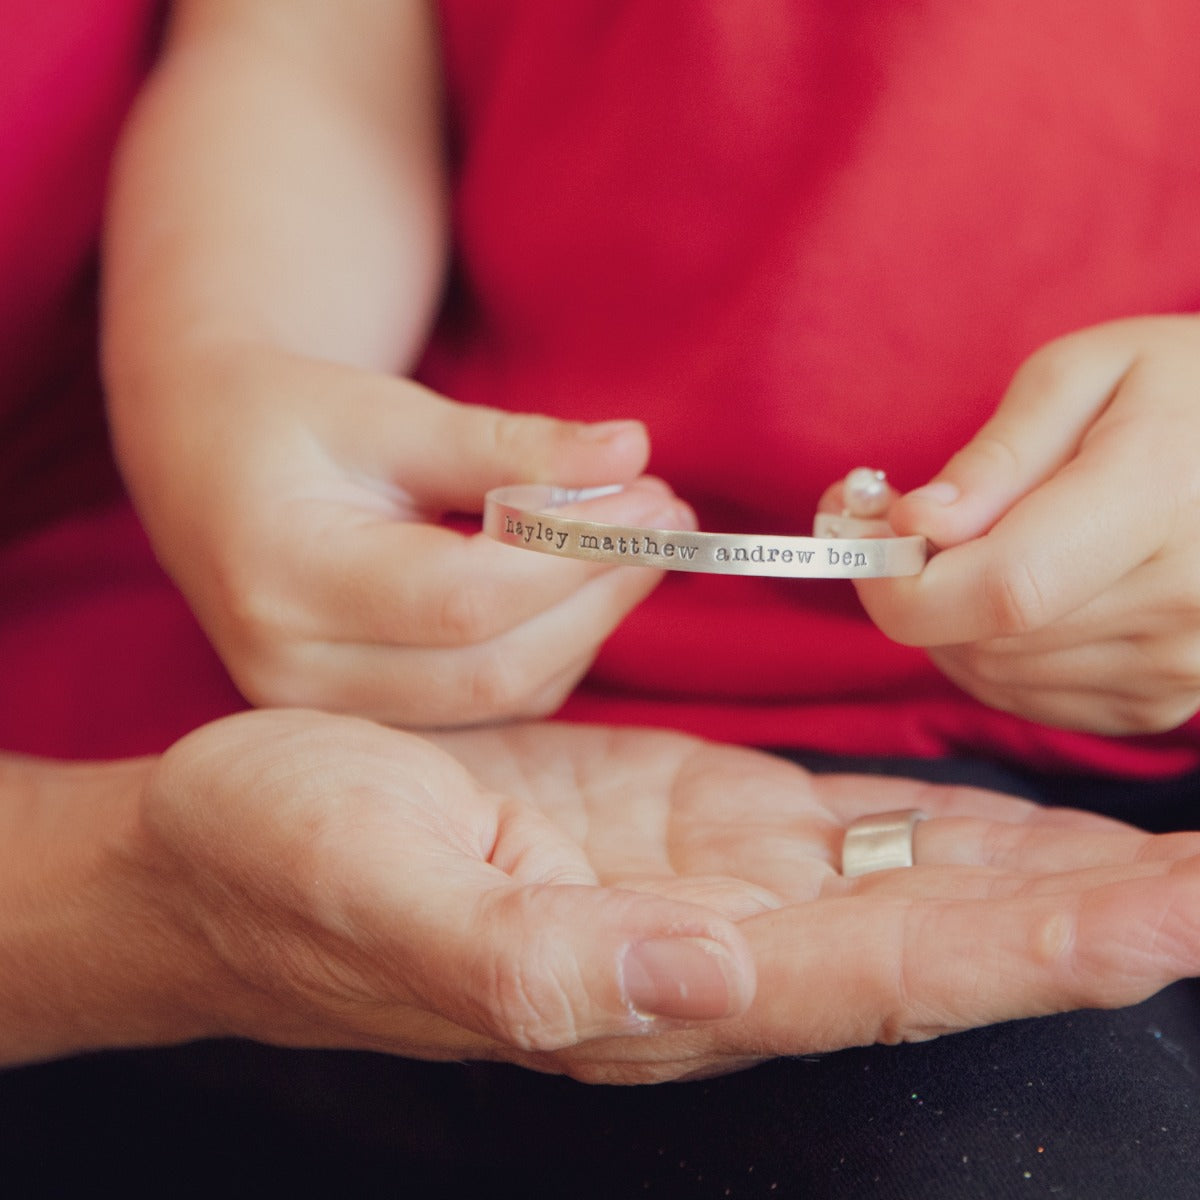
(880, 842)
(527, 516)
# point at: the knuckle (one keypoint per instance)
(268, 677)
(993, 455)
(500, 431)
(545, 704)
(261, 646)
(1014, 598)
(548, 699)
(498, 685)
(891, 984)
(1152, 716)
(1175, 662)
(529, 1008)
(908, 1011)
(466, 615)
(253, 625)
(1049, 368)
(1167, 689)
(519, 439)
(974, 664)
(1128, 717)
(257, 614)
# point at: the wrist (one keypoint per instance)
(88, 957)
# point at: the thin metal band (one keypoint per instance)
(524, 515)
(880, 842)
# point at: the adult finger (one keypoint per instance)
(791, 844)
(542, 967)
(732, 896)
(848, 797)
(883, 966)
(919, 969)
(1038, 848)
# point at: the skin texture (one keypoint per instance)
(580, 900)
(1068, 586)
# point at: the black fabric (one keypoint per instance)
(1088, 1105)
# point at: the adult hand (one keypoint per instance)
(333, 882)
(1067, 588)
(308, 541)
(1012, 910)
(597, 901)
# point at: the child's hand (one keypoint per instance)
(280, 206)
(297, 505)
(1068, 586)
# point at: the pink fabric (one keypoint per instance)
(68, 71)
(98, 653)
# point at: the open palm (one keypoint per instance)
(1012, 910)
(628, 905)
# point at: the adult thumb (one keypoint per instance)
(544, 967)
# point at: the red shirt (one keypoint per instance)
(794, 237)
(797, 237)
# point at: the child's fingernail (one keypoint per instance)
(684, 517)
(607, 431)
(941, 492)
(651, 502)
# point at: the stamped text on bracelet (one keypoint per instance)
(524, 515)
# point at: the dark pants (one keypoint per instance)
(1087, 1105)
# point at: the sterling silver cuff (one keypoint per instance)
(525, 515)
